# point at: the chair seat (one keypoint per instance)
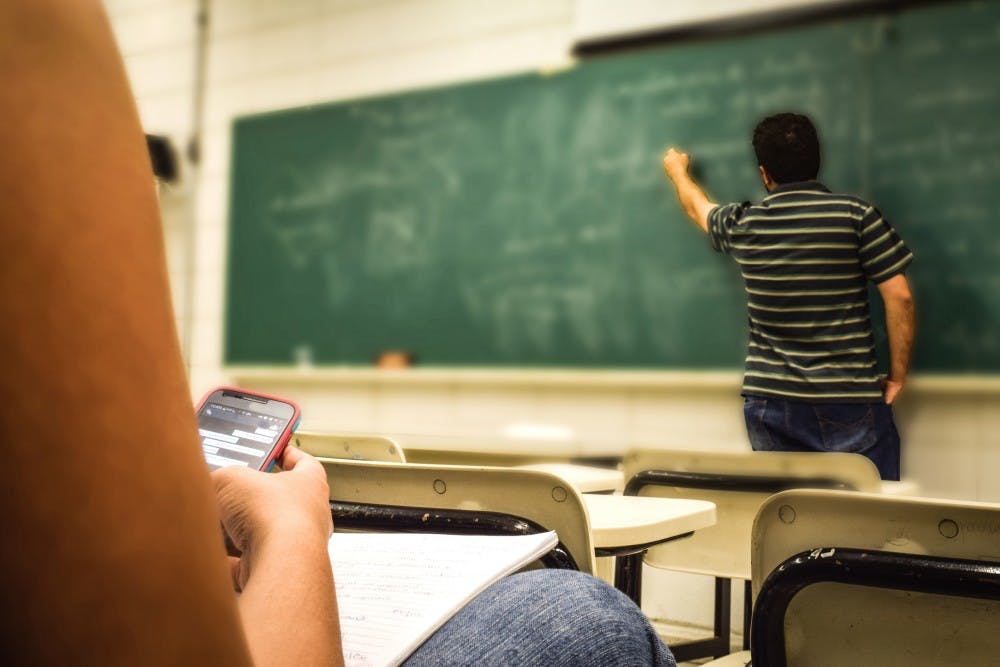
(905, 487)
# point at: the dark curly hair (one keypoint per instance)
(787, 147)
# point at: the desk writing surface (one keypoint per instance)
(525, 221)
(619, 521)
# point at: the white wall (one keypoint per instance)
(272, 54)
(157, 41)
(600, 19)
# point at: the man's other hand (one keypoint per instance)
(890, 390)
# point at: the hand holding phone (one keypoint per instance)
(289, 509)
(244, 428)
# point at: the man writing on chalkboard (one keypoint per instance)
(806, 254)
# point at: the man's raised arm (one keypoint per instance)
(691, 197)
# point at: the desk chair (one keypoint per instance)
(349, 446)
(411, 497)
(863, 579)
(738, 483)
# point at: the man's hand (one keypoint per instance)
(675, 162)
(890, 390)
(258, 507)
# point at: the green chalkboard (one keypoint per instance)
(525, 221)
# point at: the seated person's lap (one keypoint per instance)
(546, 617)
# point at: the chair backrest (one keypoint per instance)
(737, 482)
(349, 446)
(901, 544)
(541, 498)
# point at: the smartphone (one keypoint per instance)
(244, 428)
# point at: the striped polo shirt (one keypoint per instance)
(806, 256)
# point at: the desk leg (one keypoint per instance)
(606, 569)
(717, 645)
(628, 576)
(747, 613)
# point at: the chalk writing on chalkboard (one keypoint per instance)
(525, 221)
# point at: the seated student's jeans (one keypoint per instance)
(546, 618)
(793, 426)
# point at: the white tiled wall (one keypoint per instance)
(157, 41)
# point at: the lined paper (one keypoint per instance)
(394, 590)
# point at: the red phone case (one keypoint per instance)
(286, 434)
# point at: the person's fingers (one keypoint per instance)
(236, 572)
(232, 549)
(229, 476)
(290, 457)
(236, 495)
(301, 463)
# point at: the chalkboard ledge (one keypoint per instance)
(561, 377)
(954, 384)
(440, 375)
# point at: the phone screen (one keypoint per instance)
(240, 429)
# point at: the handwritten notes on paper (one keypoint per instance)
(394, 590)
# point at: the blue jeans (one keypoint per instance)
(547, 618)
(792, 426)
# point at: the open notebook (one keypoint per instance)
(394, 590)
